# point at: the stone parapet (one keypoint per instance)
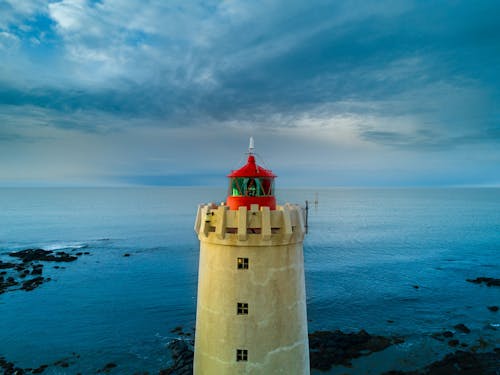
(258, 226)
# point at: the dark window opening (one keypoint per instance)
(242, 263)
(254, 230)
(242, 308)
(241, 355)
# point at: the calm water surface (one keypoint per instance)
(366, 251)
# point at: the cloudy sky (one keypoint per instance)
(335, 93)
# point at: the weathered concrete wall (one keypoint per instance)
(275, 330)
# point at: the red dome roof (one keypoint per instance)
(251, 169)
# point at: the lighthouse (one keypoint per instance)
(251, 313)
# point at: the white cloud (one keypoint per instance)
(15, 12)
(8, 41)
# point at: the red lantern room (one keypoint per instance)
(251, 184)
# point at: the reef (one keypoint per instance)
(30, 255)
(27, 274)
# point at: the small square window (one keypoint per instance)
(242, 308)
(242, 263)
(241, 355)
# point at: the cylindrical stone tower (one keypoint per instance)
(251, 314)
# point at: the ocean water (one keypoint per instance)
(391, 261)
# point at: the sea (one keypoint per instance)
(392, 262)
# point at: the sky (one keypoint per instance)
(165, 92)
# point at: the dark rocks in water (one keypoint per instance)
(337, 348)
(36, 271)
(30, 255)
(5, 265)
(493, 308)
(10, 368)
(453, 343)
(126, 255)
(460, 363)
(462, 328)
(183, 356)
(489, 281)
(177, 329)
(107, 368)
(28, 258)
(31, 284)
(4, 284)
(448, 334)
(40, 369)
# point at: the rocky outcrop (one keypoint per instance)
(15, 274)
(460, 363)
(329, 348)
(5, 265)
(182, 354)
(30, 255)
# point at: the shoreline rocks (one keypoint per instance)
(183, 356)
(329, 348)
(326, 349)
(460, 363)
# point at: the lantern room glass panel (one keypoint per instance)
(251, 187)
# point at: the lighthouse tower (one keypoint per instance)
(251, 314)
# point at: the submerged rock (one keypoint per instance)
(31, 284)
(338, 348)
(183, 355)
(40, 369)
(107, 368)
(462, 328)
(30, 258)
(489, 281)
(5, 265)
(4, 284)
(30, 255)
(460, 363)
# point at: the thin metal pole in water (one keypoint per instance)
(307, 216)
